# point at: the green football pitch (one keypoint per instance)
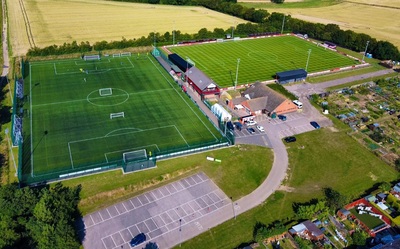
(260, 59)
(85, 114)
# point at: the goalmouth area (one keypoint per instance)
(83, 116)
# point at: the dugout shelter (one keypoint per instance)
(291, 76)
(179, 62)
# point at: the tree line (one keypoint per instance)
(260, 22)
(38, 218)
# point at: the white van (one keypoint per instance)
(298, 104)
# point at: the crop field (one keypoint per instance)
(55, 22)
(260, 59)
(376, 18)
(86, 114)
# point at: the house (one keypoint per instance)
(343, 213)
(396, 187)
(259, 98)
(308, 230)
(200, 82)
(381, 197)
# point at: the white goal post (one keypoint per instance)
(136, 155)
(105, 91)
(117, 115)
(116, 55)
(126, 54)
(91, 57)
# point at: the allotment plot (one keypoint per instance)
(259, 59)
(85, 114)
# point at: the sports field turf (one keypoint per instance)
(69, 122)
(260, 59)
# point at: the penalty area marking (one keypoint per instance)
(131, 149)
(109, 135)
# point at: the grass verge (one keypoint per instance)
(318, 159)
(243, 168)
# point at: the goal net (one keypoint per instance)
(117, 115)
(105, 91)
(116, 55)
(126, 54)
(134, 156)
(91, 57)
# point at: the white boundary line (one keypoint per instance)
(55, 69)
(30, 116)
(216, 139)
(182, 136)
(70, 156)
(131, 62)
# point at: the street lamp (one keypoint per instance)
(233, 209)
(308, 58)
(237, 72)
(180, 230)
(366, 47)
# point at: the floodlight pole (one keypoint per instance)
(233, 209)
(180, 231)
(187, 68)
(308, 58)
(237, 72)
(173, 35)
(283, 23)
(366, 47)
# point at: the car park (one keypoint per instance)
(290, 139)
(260, 128)
(282, 117)
(251, 130)
(138, 239)
(251, 122)
(315, 124)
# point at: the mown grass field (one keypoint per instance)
(56, 22)
(68, 125)
(101, 190)
(328, 159)
(361, 16)
(260, 59)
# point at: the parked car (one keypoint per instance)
(315, 124)
(282, 117)
(251, 122)
(251, 130)
(260, 128)
(298, 104)
(230, 125)
(238, 125)
(290, 139)
(138, 239)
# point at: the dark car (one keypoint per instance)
(290, 139)
(251, 130)
(138, 239)
(282, 117)
(230, 126)
(315, 124)
(238, 126)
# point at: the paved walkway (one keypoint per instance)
(308, 88)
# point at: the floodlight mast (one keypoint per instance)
(237, 72)
(308, 58)
(283, 23)
(366, 47)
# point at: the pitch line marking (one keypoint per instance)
(79, 100)
(216, 139)
(181, 136)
